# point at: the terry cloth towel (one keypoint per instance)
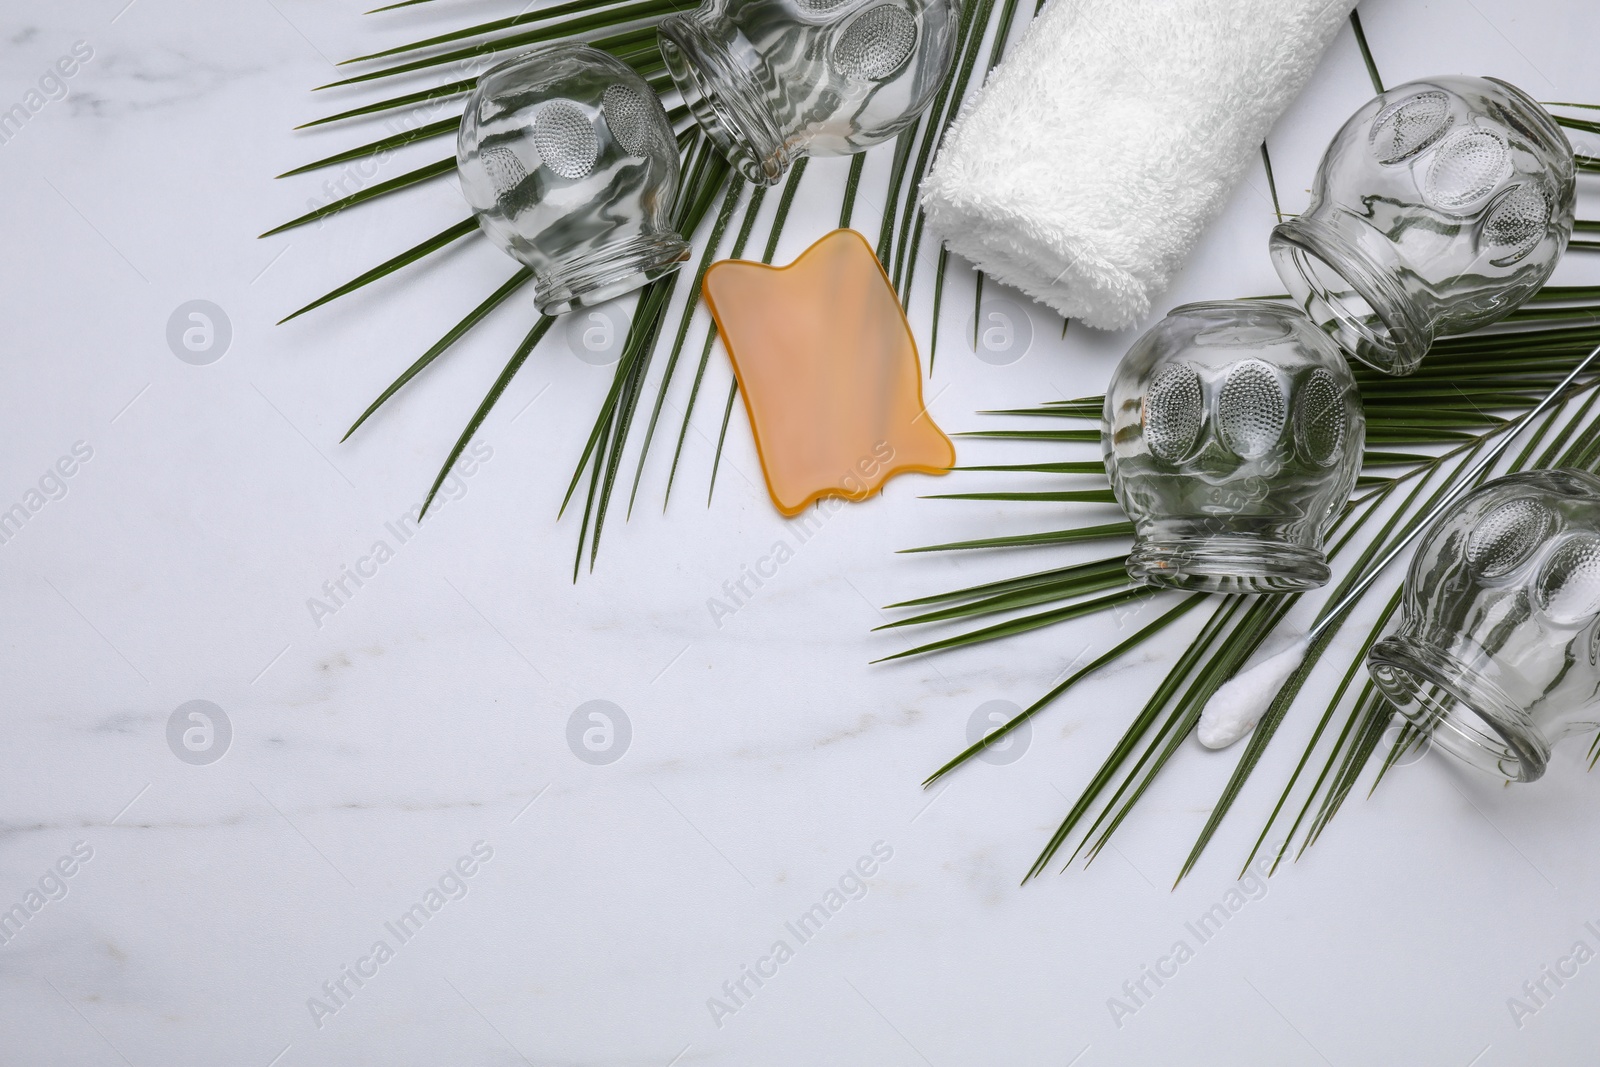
(1087, 166)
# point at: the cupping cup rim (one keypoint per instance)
(1525, 753)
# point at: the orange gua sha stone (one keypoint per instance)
(829, 372)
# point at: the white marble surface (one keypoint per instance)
(429, 713)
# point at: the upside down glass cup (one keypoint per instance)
(570, 165)
(1440, 207)
(1497, 654)
(772, 80)
(1232, 433)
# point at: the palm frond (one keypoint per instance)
(665, 312)
(371, 192)
(1366, 52)
(454, 334)
(1467, 394)
(520, 356)
(389, 266)
(1421, 429)
(730, 200)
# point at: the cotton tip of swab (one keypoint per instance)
(1238, 704)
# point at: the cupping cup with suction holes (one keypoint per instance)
(1439, 208)
(1497, 654)
(568, 160)
(1232, 433)
(772, 80)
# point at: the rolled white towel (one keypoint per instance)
(1087, 166)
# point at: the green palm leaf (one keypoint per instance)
(667, 311)
(389, 266)
(1469, 390)
(1421, 428)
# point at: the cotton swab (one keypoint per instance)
(1238, 704)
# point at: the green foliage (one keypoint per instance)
(1464, 397)
(1422, 429)
(627, 31)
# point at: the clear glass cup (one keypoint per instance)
(570, 164)
(772, 80)
(1497, 649)
(1232, 433)
(1440, 207)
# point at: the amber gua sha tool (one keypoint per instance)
(829, 372)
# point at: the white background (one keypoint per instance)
(372, 751)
